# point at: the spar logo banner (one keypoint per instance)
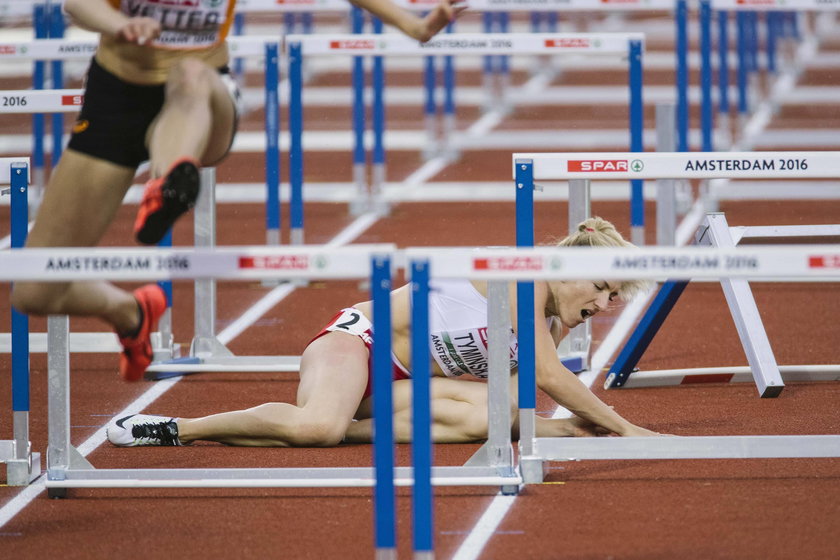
(352, 45)
(8, 50)
(824, 261)
(571, 43)
(72, 100)
(604, 165)
(509, 264)
(275, 262)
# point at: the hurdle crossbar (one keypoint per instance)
(814, 262)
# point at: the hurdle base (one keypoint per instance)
(22, 472)
(687, 447)
(532, 469)
(575, 362)
(725, 374)
(221, 364)
(335, 477)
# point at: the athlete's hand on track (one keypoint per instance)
(638, 431)
(441, 15)
(139, 30)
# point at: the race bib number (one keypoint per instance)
(352, 321)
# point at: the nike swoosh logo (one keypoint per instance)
(121, 420)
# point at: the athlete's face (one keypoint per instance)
(575, 302)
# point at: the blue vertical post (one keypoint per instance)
(552, 22)
(772, 35)
(503, 19)
(20, 323)
(449, 98)
(793, 21)
(488, 80)
(307, 22)
(358, 106)
(430, 107)
(429, 85)
(524, 174)
(289, 22)
(536, 22)
(743, 63)
(637, 124)
(723, 61)
(385, 518)
(753, 35)
(272, 143)
(421, 429)
(296, 136)
(166, 285)
(39, 18)
(378, 117)
(682, 76)
(706, 124)
(57, 32)
(238, 30)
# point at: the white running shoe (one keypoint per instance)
(141, 429)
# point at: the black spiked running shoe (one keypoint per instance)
(141, 429)
(165, 199)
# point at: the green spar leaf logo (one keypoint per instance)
(637, 165)
(556, 263)
(320, 262)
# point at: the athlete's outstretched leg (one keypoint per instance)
(334, 373)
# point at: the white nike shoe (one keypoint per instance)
(141, 429)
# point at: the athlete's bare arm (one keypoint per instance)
(563, 386)
(415, 27)
(101, 17)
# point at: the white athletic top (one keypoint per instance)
(458, 329)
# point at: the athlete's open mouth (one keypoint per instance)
(585, 313)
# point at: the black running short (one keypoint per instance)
(115, 116)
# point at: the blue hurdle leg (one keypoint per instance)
(632, 352)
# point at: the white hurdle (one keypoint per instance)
(67, 468)
(813, 262)
(713, 232)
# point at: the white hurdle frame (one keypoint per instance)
(207, 353)
(67, 468)
(588, 166)
(714, 231)
(551, 263)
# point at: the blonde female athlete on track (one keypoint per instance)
(335, 384)
(157, 89)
